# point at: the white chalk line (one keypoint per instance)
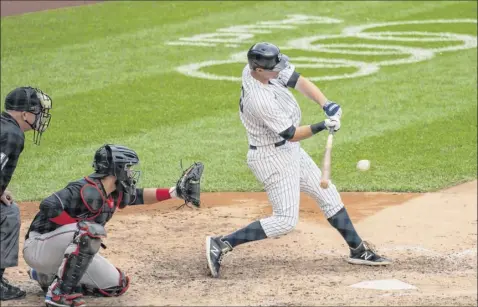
(416, 249)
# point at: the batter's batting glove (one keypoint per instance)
(332, 123)
(188, 186)
(332, 110)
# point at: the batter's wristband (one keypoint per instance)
(316, 128)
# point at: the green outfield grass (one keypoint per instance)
(112, 79)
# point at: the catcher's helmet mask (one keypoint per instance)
(267, 56)
(118, 161)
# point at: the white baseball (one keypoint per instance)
(363, 165)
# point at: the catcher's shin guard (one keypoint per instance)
(79, 254)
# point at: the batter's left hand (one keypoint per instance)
(332, 110)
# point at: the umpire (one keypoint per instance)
(26, 108)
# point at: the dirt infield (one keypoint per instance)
(430, 237)
(19, 7)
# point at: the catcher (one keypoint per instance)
(63, 241)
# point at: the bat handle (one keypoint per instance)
(324, 182)
(330, 138)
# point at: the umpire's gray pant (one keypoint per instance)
(9, 235)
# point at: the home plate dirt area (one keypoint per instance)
(430, 237)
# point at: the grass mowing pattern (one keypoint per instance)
(112, 79)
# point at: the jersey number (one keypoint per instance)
(241, 105)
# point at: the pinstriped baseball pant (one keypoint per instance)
(285, 171)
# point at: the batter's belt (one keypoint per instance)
(275, 144)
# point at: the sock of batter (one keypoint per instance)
(253, 232)
(341, 221)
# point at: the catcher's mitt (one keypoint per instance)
(188, 185)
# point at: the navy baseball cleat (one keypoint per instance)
(216, 249)
(365, 254)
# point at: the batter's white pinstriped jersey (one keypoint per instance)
(265, 111)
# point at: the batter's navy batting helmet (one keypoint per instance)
(266, 56)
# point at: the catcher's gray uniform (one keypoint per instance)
(56, 232)
(45, 253)
(63, 242)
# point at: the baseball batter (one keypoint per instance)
(64, 239)
(271, 117)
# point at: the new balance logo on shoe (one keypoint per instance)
(215, 251)
(366, 255)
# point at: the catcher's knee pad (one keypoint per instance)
(120, 289)
(89, 237)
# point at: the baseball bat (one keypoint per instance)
(327, 162)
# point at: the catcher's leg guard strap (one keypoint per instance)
(79, 254)
(121, 288)
(93, 230)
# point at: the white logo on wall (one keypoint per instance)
(367, 34)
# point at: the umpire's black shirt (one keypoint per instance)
(12, 140)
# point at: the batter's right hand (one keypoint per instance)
(332, 123)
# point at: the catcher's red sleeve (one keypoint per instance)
(63, 219)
